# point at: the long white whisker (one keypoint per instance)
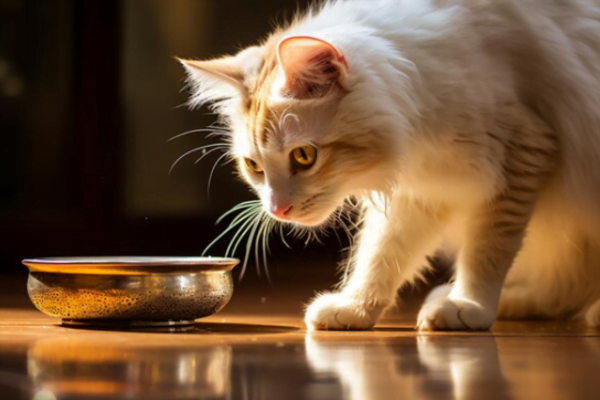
(249, 244)
(265, 248)
(255, 213)
(208, 152)
(211, 130)
(282, 236)
(262, 236)
(212, 171)
(238, 238)
(187, 153)
(243, 205)
(272, 224)
(247, 219)
(261, 224)
(239, 219)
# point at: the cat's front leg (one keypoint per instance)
(391, 248)
(493, 237)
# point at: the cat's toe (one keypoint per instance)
(335, 311)
(443, 313)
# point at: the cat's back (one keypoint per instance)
(570, 16)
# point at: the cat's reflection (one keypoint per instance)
(74, 367)
(422, 367)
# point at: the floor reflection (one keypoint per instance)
(460, 367)
(421, 367)
(83, 368)
(80, 368)
(263, 362)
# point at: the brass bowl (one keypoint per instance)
(130, 291)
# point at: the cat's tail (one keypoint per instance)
(592, 314)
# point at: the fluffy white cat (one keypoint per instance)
(468, 124)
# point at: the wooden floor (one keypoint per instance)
(258, 350)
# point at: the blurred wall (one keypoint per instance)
(90, 93)
(154, 31)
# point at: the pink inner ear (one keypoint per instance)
(311, 66)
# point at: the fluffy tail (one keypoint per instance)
(592, 315)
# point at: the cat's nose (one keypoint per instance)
(280, 211)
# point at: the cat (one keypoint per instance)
(467, 125)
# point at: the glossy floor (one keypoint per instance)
(242, 356)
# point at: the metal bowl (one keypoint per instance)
(130, 291)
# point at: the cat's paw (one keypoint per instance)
(336, 311)
(444, 313)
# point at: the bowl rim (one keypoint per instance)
(129, 265)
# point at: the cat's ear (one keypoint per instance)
(221, 78)
(311, 67)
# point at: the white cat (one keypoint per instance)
(473, 124)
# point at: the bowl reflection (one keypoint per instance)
(73, 367)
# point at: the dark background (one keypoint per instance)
(89, 95)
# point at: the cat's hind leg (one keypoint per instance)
(493, 236)
(556, 273)
(494, 229)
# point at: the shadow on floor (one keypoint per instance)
(200, 328)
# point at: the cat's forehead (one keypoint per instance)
(271, 127)
(277, 126)
(270, 123)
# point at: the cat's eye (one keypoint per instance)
(253, 166)
(304, 157)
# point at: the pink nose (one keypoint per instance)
(280, 211)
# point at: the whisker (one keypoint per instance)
(272, 224)
(233, 224)
(247, 219)
(240, 235)
(223, 135)
(249, 244)
(208, 152)
(282, 236)
(261, 236)
(245, 204)
(211, 130)
(212, 171)
(187, 153)
(265, 247)
(248, 223)
(261, 225)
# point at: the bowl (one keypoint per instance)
(130, 291)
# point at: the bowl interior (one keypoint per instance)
(129, 265)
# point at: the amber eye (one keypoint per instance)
(304, 157)
(253, 166)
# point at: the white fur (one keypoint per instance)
(427, 80)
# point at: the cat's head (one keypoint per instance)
(300, 130)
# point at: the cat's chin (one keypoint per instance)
(312, 221)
